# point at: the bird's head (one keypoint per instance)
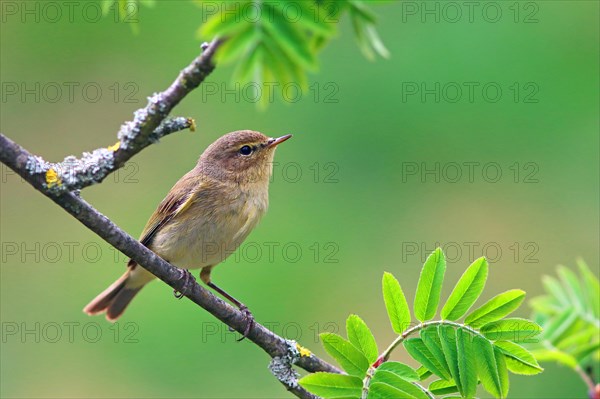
(241, 156)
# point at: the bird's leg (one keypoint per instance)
(187, 284)
(243, 308)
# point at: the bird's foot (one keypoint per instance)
(187, 284)
(249, 321)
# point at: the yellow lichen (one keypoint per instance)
(303, 351)
(115, 146)
(52, 178)
(192, 123)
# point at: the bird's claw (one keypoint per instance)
(187, 284)
(249, 321)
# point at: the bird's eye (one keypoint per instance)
(246, 150)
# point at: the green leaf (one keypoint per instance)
(432, 341)
(573, 287)
(313, 17)
(502, 372)
(558, 326)
(362, 11)
(105, 6)
(518, 359)
(363, 23)
(443, 387)
(448, 339)
(329, 385)
(592, 287)
(577, 339)
(224, 23)
(401, 370)
(361, 39)
(248, 67)
(395, 303)
(487, 369)
(376, 41)
(286, 34)
(401, 384)
(429, 287)
(237, 46)
(467, 290)
(496, 308)
(417, 349)
(350, 358)
(514, 329)
(381, 390)
(423, 373)
(286, 70)
(361, 337)
(545, 304)
(467, 367)
(556, 290)
(582, 352)
(554, 355)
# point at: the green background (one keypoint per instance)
(360, 205)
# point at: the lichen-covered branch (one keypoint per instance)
(148, 125)
(92, 167)
(283, 352)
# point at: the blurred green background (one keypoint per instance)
(341, 193)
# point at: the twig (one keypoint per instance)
(76, 173)
(148, 125)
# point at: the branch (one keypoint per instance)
(148, 125)
(76, 173)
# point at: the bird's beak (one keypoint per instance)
(278, 140)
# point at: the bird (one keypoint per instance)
(204, 218)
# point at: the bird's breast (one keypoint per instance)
(209, 231)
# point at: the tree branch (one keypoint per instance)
(148, 125)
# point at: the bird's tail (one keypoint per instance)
(114, 299)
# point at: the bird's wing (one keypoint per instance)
(180, 197)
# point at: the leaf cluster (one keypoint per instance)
(271, 41)
(570, 315)
(279, 40)
(479, 350)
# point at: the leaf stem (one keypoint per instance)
(425, 390)
(387, 353)
(586, 378)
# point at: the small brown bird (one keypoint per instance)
(204, 218)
